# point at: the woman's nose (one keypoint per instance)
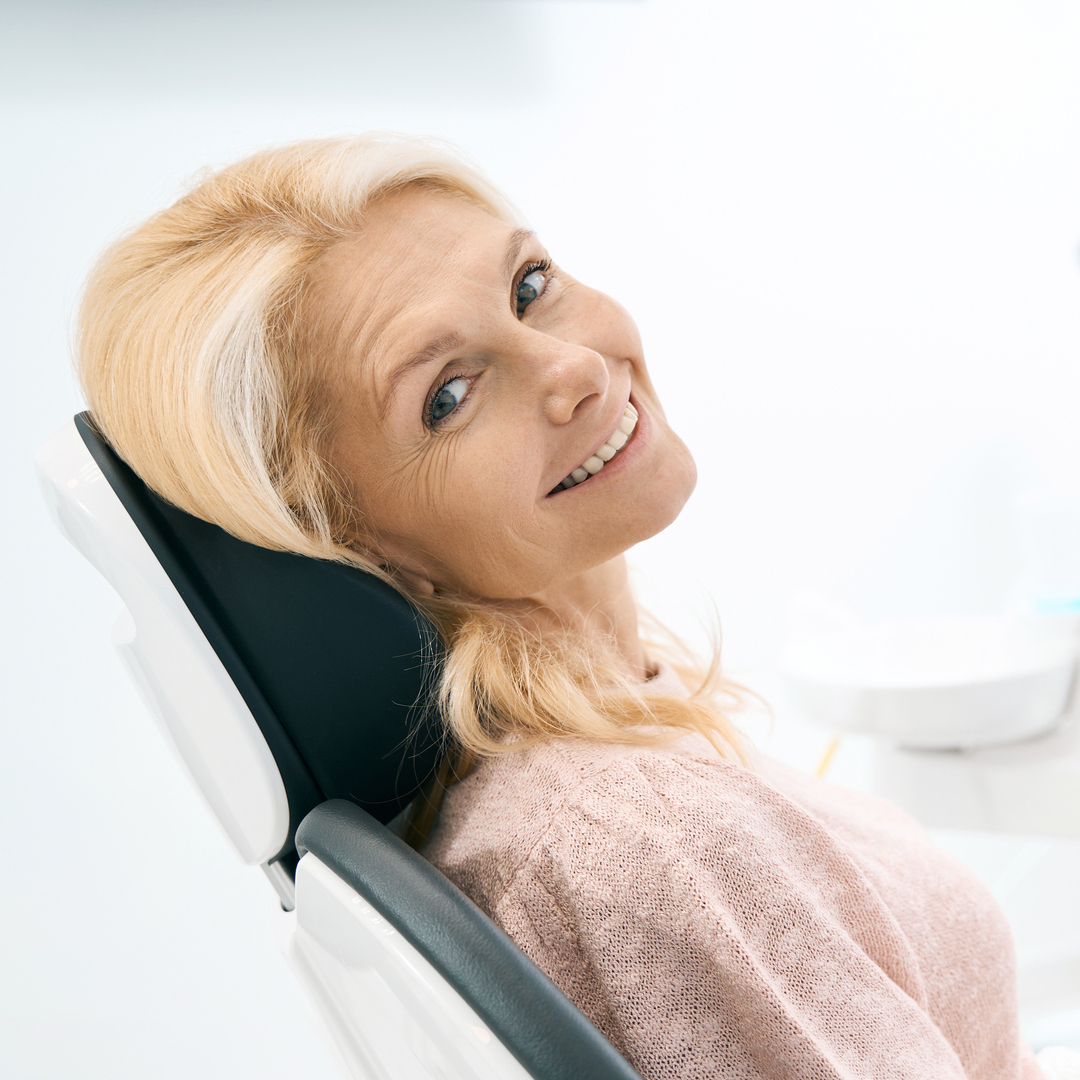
(573, 379)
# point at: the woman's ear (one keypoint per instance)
(417, 581)
(406, 570)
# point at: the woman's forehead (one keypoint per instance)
(408, 227)
(407, 274)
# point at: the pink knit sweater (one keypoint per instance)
(719, 922)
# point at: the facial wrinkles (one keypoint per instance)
(494, 457)
(361, 318)
(395, 340)
(411, 461)
(437, 489)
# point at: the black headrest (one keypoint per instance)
(335, 665)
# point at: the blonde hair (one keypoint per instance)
(192, 358)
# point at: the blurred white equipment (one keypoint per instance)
(974, 718)
(287, 687)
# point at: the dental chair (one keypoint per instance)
(297, 695)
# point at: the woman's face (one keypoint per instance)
(471, 377)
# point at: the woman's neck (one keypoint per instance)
(600, 604)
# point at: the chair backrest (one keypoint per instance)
(297, 694)
(333, 666)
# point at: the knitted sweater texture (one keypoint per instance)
(723, 922)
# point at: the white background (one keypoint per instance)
(849, 232)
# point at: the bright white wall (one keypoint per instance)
(849, 232)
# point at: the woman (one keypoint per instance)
(351, 349)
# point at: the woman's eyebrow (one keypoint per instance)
(434, 349)
(517, 240)
(447, 342)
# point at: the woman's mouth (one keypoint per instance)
(616, 441)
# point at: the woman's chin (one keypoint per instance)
(672, 488)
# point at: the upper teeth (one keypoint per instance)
(615, 443)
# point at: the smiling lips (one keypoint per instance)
(618, 439)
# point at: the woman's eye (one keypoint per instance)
(447, 398)
(530, 287)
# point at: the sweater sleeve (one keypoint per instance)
(715, 930)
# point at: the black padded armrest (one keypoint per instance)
(532, 1017)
